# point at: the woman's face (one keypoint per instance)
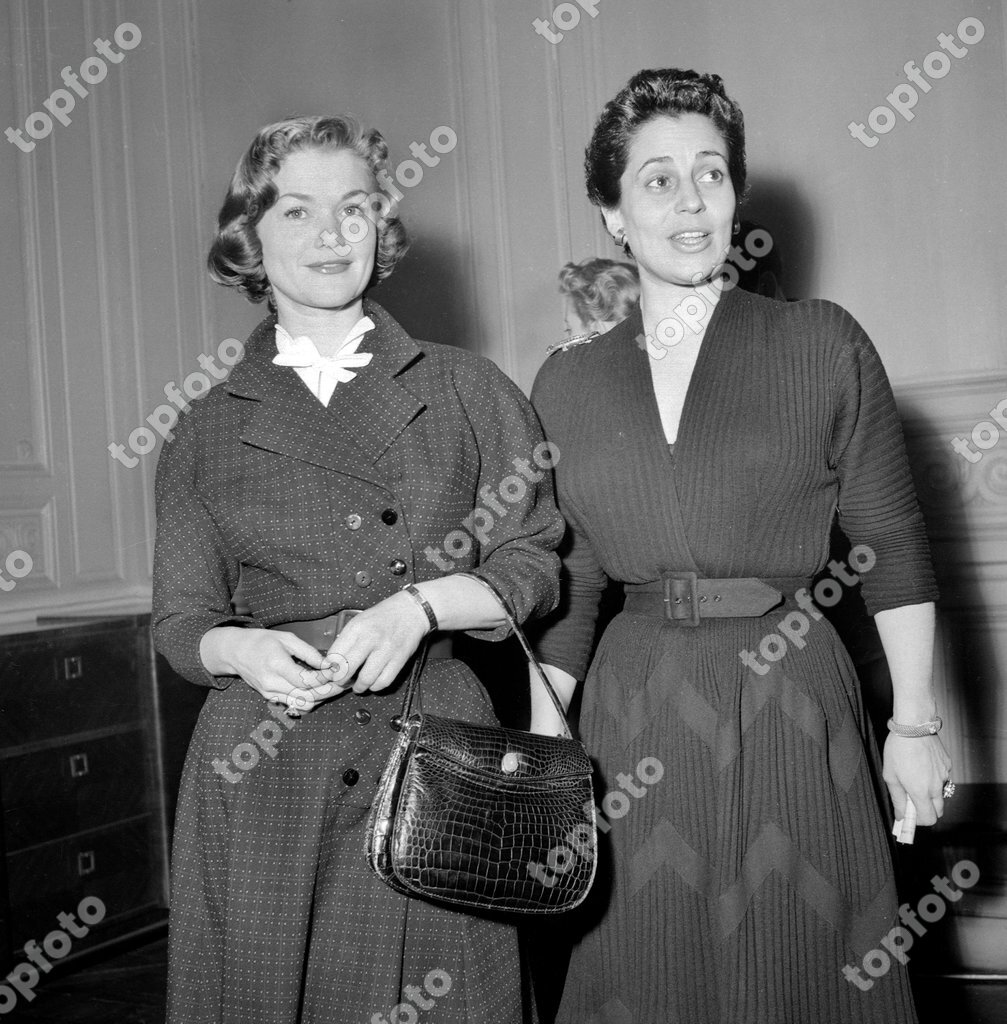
(677, 205)
(309, 263)
(572, 322)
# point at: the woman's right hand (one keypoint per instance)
(276, 664)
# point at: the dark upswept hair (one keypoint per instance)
(600, 289)
(235, 257)
(655, 93)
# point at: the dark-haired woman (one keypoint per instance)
(707, 442)
(336, 466)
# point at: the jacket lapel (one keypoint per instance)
(363, 419)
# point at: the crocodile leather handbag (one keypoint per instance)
(483, 817)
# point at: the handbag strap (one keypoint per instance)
(529, 653)
(413, 685)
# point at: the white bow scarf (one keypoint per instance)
(322, 373)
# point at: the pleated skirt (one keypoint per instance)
(744, 857)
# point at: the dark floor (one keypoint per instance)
(129, 989)
(126, 989)
(959, 1002)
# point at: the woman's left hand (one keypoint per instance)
(372, 648)
(917, 768)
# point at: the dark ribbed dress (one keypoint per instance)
(734, 888)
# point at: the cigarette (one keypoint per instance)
(907, 827)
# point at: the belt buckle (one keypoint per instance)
(338, 622)
(681, 598)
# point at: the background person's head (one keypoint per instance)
(304, 202)
(666, 165)
(598, 293)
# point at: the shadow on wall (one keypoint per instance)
(426, 294)
(778, 205)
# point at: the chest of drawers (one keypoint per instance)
(93, 731)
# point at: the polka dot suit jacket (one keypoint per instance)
(318, 509)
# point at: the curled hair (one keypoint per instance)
(235, 257)
(600, 289)
(653, 93)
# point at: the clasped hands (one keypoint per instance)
(368, 654)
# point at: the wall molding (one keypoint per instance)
(34, 452)
(954, 491)
(31, 530)
(93, 195)
(463, 171)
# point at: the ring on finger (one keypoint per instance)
(949, 789)
(335, 665)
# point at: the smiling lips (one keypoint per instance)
(329, 266)
(690, 241)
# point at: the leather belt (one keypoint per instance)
(321, 632)
(685, 598)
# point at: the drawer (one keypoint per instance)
(57, 792)
(116, 865)
(68, 686)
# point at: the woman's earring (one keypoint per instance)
(620, 241)
(737, 226)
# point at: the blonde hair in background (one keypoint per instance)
(601, 290)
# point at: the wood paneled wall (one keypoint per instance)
(99, 288)
(105, 301)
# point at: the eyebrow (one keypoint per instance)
(662, 159)
(307, 198)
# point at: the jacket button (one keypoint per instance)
(363, 579)
(351, 776)
(389, 517)
(353, 521)
(397, 566)
(362, 715)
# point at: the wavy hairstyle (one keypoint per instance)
(654, 93)
(600, 289)
(235, 257)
